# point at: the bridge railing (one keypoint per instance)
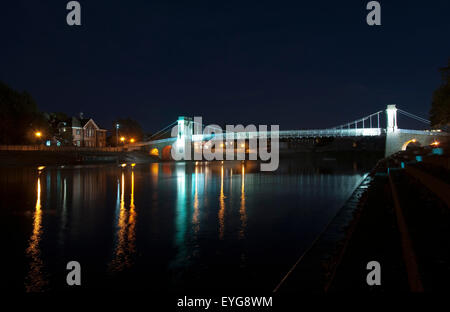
(424, 132)
(295, 134)
(333, 132)
(281, 134)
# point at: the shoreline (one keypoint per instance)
(30, 158)
(311, 273)
(367, 228)
(42, 157)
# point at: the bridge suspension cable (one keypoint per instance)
(210, 126)
(354, 124)
(414, 116)
(167, 128)
(372, 121)
(367, 122)
(163, 130)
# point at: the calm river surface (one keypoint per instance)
(167, 226)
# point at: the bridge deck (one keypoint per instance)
(289, 134)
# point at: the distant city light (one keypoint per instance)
(38, 134)
(132, 140)
(122, 139)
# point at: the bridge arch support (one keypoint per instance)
(155, 152)
(166, 153)
(399, 140)
(161, 149)
(409, 143)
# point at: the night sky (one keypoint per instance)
(299, 64)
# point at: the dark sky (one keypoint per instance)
(299, 64)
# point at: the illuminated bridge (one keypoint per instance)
(370, 126)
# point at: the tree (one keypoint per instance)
(128, 129)
(20, 118)
(440, 106)
(60, 128)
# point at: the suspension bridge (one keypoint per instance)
(370, 126)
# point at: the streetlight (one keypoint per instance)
(117, 134)
(131, 140)
(122, 139)
(38, 135)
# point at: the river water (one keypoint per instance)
(183, 227)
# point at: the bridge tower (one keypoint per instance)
(391, 118)
(392, 135)
(184, 136)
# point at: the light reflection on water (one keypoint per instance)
(208, 225)
(242, 208)
(221, 215)
(36, 280)
(125, 238)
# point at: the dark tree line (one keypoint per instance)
(20, 117)
(440, 106)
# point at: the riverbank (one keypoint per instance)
(400, 217)
(82, 157)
